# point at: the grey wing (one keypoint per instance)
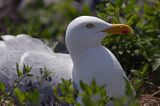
(59, 64)
(27, 50)
(24, 43)
(11, 50)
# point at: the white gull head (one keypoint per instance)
(85, 32)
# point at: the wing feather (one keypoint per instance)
(59, 64)
(12, 48)
(7, 37)
(25, 49)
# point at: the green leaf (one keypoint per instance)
(156, 64)
(2, 86)
(138, 83)
(130, 6)
(19, 73)
(26, 69)
(86, 88)
(128, 88)
(20, 95)
(144, 71)
(120, 101)
(86, 10)
(34, 97)
(119, 3)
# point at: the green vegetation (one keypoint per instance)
(64, 93)
(138, 53)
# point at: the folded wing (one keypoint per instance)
(24, 49)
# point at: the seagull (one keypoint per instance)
(88, 59)
(23, 49)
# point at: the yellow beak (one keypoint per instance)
(119, 29)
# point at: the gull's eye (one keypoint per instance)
(90, 25)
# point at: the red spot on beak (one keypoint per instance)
(124, 31)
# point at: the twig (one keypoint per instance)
(10, 94)
(155, 93)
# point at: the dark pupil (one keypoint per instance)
(89, 25)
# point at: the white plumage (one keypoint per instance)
(90, 59)
(33, 52)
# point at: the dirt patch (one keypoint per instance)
(149, 100)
